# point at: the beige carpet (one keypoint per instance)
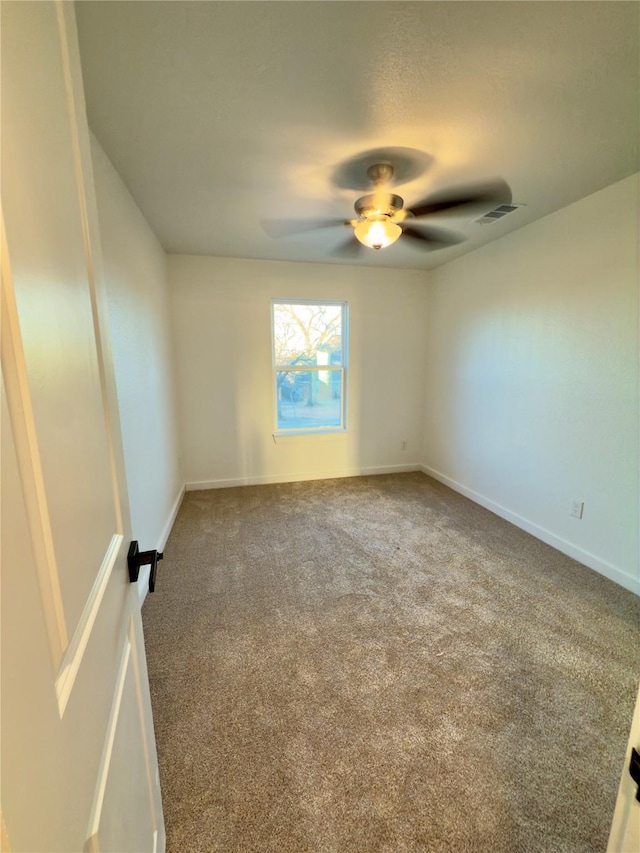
(378, 664)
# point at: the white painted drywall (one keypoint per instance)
(222, 340)
(532, 378)
(135, 267)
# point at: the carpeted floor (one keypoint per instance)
(379, 664)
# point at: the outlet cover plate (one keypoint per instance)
(577, 508)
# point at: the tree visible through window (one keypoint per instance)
(309, 361)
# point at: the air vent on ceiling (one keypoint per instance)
(498, 212)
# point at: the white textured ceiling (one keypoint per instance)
(219, 115)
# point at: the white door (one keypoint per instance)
(79, 768)
(625, 829)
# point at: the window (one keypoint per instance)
(309, 363)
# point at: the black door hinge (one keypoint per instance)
(634, 770)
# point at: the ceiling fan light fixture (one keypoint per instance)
(377, 232)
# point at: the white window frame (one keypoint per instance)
(307, 368)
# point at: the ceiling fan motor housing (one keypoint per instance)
(378, 204)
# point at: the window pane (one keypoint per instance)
(309, 399)
(307, 334)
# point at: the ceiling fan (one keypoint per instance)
(382, 217)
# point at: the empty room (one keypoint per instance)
(320, 426)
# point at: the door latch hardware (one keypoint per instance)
(137, 558)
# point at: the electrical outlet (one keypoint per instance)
(577, 508)
(403, 445)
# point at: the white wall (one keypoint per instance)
(532, 378)
(222, 335)
(135, 267)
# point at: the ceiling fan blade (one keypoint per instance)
(432, 238)
(483, 196)
(286, 227)
(352, 248)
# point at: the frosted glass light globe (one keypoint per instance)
(377, 232)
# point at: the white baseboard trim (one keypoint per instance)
(296, 478)
(607, 569)
(143, 583)
(166, 530)
(145, 571)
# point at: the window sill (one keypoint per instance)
(311, 433)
